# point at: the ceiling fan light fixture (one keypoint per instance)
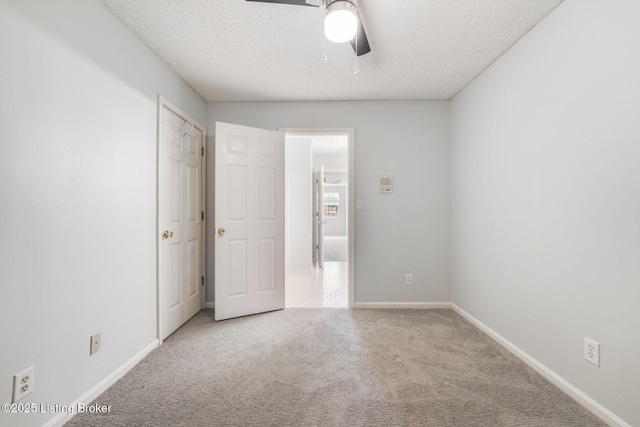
(341, 21)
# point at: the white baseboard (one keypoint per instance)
(598, 410)
(402, 305)
(210, 304)
(99, 388)
(593, 406)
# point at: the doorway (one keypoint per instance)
(319, 207)
(180, 227)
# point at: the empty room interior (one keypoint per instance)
(470, 244)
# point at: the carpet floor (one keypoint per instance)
(334, 367)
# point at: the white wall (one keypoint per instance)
(337, 225)
(407, 232)
(298, 167)
(331, 162)
(77, 195)
(546, 197)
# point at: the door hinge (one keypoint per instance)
(202, 280)
(317, 247)
(203, 215)
(202, 150)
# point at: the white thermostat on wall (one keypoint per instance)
(386, 185)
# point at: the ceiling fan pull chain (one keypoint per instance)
(356, 70)
(324, 40)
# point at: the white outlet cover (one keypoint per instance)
(23, 384)
(592, 351)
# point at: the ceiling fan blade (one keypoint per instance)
(363, 43)
(295, 2)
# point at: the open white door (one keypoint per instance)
(321, 219)
(249, 221)
(180, 218)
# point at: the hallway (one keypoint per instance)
(328, 287)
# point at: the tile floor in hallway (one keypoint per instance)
(328, 287)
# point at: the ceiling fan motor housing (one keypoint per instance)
(341, 21)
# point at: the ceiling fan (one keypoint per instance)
(336, 10)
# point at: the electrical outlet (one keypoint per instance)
(95, 344)
(23, 384)
(408, 279)
(592, 351)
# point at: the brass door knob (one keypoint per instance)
(167, 234)
(221, 231)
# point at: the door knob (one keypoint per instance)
(221, 231)
(167, 234)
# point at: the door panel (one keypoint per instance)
(249, 260)
(192, 264)
(266, 194)
(180, 192)
(237, 263)
(267, 265)
(236, 200)
(321, 218)
(193, 185)
(176, 275)
(176, 190)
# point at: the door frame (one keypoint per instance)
(350, 132)
(161, 297)
(319, 218)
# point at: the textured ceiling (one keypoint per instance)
(235, 50)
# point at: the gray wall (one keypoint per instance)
(299, 172)
(544, 177)
(78, 126)
(407, 232)
(546, 197)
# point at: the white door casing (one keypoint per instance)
(321, 219)
(181, 238)
(350, 191)
(249, 221)
(314, 219)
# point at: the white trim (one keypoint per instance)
(350, 132)
(210, 304)
(95, 391)
(203, 208)
(598, 410)
(421, 305)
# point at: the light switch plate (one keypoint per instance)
(95, 344)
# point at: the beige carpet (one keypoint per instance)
(334, 367)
